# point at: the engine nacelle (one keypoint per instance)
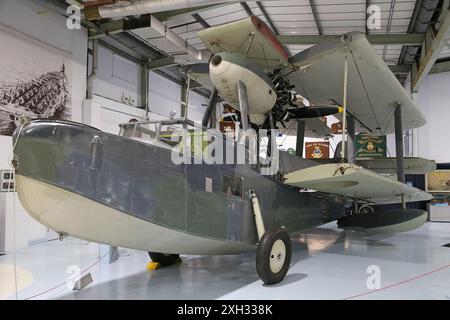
(226, 69)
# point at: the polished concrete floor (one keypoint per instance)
(327, 263)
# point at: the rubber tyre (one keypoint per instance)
(264, 256)
(164, 260)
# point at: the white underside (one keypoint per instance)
(67, 212)
(355, 182)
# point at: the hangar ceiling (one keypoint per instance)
(405, 39)
(305, 17)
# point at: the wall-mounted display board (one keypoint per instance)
(35, 82)
(368, 146)
(438, 181)
(317, 150)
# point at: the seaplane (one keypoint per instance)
(126, 191)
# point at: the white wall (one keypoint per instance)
(196, 107)
(433, 99)
(106, 114)
(164, 95)
(24, 19)
(117, 77)
(5, 151)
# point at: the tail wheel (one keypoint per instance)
(273, 256)
(164, 259)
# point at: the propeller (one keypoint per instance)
(286, 109)
(313, 112)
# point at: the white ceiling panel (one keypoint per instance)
(220, 10)
(306, 31)
(297, 17)
(226, 18)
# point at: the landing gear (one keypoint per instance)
(273, 256)
(164, 259)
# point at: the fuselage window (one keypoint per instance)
(232, 186)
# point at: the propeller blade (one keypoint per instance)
(313, 112)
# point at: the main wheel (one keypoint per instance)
(164, 259)
(273, 256)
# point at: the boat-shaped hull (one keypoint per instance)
(110, 189)
(60, 209)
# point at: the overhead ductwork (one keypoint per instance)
(98, 3)
(422, 18)
(169, 41)
(138, 7)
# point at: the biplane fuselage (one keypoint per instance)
(130, 194)
(115, 190)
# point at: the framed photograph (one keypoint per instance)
(35, 82)
(438, 181)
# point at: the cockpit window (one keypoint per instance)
(232, 186)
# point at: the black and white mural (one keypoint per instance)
(35, 82)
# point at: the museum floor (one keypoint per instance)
(326, 264)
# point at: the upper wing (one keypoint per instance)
(373, 91)
(354, 182)
(251, 37)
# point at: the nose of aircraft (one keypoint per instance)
(216, 60)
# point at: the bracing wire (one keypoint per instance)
(372, 108)
(250, 37)
(366, 92)
(265, 57)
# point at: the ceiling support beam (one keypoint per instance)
(400, 68)
(376, 39)
(122, 25)
(411, 26)
(164, 16)
(316, 16)
(269, 21)
(432, 47)
(200, 20)
(367, 15)
(161, 63)
(247, 9)
(120, 52)
(389, 24)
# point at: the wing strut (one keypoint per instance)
(344, 102)
(399, 148)
(300, 137)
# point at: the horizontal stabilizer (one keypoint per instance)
(354, 182)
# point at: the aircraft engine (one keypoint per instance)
(226, 69)
(286, 97)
